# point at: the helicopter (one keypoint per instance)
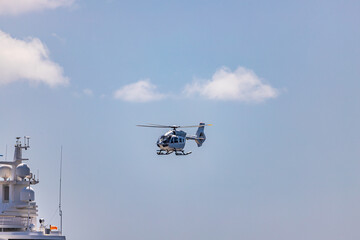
(174, 140)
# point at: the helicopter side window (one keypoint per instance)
(172, 140)
(176, 140)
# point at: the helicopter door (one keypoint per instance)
(172, 140)
(181, 142)
(177, 143)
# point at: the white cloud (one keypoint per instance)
(240, 85)
(16, 7)
(88, 92)
(141, 91)
(61, 39)
(28, 60)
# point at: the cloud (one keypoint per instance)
(61, 39)
(88, 92)
(16, 7)
(28, 60)
(240, 85)
(141, 91)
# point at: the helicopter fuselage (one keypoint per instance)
(172, 141)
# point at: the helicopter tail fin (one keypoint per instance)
(200, 135)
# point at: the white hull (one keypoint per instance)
(30, 235)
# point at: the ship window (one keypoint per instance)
(6, 193)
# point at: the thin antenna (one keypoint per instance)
(28, 218)
(60, 211)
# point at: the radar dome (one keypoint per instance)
(23, 171)
(5, 172)
(27, 194)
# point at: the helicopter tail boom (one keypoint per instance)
(200, 135)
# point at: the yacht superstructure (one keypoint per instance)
(18, 209)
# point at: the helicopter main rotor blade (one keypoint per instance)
(156, 126)
(170, 126)
(195, 126)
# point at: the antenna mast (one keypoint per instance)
(60, 211)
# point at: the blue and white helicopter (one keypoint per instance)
(174, 140)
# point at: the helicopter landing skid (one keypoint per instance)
(182, 153)
(162, 152)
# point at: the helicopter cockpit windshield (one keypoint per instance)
(164, 139)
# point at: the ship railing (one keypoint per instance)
(4, 207)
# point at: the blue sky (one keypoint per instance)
(278, 80)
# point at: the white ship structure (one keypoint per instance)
(18, 209)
